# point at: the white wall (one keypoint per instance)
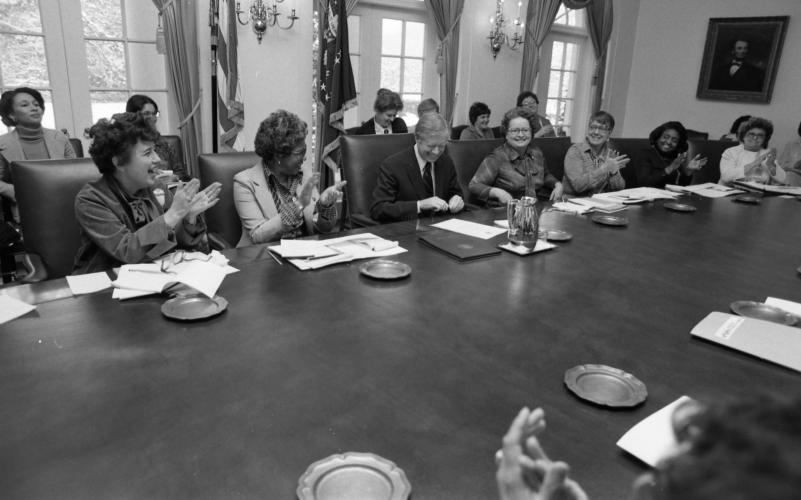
(668, 45)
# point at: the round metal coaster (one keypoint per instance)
(610, 220)
(194, 307)
(385, 269)
(679, 207)
(758, 310)
(751, 199)
(353, 475)
(557, 235)
(605, 385)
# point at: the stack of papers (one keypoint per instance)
(767, 188)
(470, 228)
(636, 195)
(583, 205)
(707, 190)
(315, 254)
(88, 283)
(653, 439)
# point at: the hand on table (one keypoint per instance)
(456, 204)
(558, 192)
(435, 203)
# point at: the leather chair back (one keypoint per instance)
(77, 146)
(361, 156)
(456, 131)
(223, 218)
(467, 156)
(46, 191)
(554, 150)
(712, 150)
(695, 134)
(633, 148)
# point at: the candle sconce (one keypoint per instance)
(263, 17)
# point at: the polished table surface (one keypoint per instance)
(107, 399)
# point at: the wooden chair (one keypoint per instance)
(712, 150)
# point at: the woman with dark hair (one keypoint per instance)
(386, 121)
(272, 198)
(751, 160)
(23, 108)
(790, 160)
(735, 127)
(665, 162)
(542, 126)
(147, 107)
(122, 220)
(516, 168)
(592, 166)
(479, 128)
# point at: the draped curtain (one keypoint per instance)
(599, 21)
(183, 81)
(539, 18)
(349, 5)
(446, 15)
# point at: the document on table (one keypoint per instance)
(598, 204)
(470, 228)
(314, 254)
(11, 308)
(88, 283)
(653, 439)
(768, 188)
(710, 190)
(636, 195)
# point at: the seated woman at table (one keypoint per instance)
(147, 107)
(121, 216)
(790, 160)
(592, 166)
(732, 135)
(272, 197)
(23, 108)
(479, 128)
(542, 126)
(744, 449)
(386, 120)
(516, 168)
(665, 161)
(751, 160)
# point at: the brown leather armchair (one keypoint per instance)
(222, 219)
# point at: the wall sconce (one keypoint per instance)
(264, 17)
(497, 36)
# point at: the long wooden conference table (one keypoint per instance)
(108, 399)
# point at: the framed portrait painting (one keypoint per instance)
(741, 57)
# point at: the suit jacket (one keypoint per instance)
(748, 78)
(398, 127)
(257, 211)
(400, 185)
(58, 145)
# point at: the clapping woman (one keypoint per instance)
(752, 160)
(665, 161)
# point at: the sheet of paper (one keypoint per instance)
(293, 249)
(573, 208)
(470, 228)
(88, 283)
(712, 190)
(348, 248)
(791, 307)
(636, 195)
(205, 277)
(653, 439)
(11, 308)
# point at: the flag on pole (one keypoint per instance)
(231, 111)
(336, 91)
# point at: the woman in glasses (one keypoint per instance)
(665, 161)
(147, 107)
(751, 160)
(592, 166)
(516, 168)
(122, 220)
(274, 198)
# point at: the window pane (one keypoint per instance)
(107, 104)
(415, 38)
(412, 75)
(23, 63)
(571, 50)
(550, 109)
(557, 55)
(149, 70)
(354, 24)
(567, 112)
(568, 80)
(410, 103)
(553, 83)
(20, 15)
(102, 18)
(391, 32)
(140, 22)
(106, 64)
(390, 73)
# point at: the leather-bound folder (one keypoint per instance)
(458, 246)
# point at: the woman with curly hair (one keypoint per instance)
(751, 160)
(122, 220)
(272, 197)
(665, 161)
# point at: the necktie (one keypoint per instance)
(386, 130)
(428, 180)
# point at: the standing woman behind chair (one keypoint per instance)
(23, 108)
(386, 120)
(122, 220)
(272, 197)
(147, 107)
(479, 128)
(751, 160)
(665, 161)
(542, 126)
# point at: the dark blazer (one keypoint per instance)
(748, 78)
(650, 167)
(400, 186)
(368, 127)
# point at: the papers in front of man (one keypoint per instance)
(636, 195)
(773, 342)
(468, 228)
(196, 270)
(707, 190)
(315, 254)
(88, 283)
(11, 308)
(768, 188)
(653, 439)
(581, 206)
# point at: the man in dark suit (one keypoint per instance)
(386, 120)
(737, 73)
(420, 179)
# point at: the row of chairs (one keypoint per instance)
(51, 231)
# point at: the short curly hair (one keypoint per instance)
(7, 103)
(116, 138)
(679, 128)
(386, 99)
(518, 112)
(477, 109)
(756, 122)
(278, 134)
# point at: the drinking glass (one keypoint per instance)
(523, 221)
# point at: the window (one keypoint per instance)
(402, 44)
(115, 40)
(569, 17)
(562, 85)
